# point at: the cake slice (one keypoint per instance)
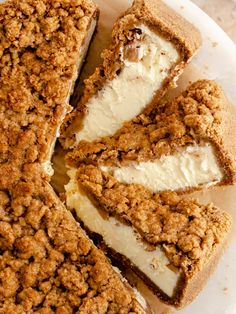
(172, 244)
(47, 263)
(180, 146)
(151, 45)
(43, 45)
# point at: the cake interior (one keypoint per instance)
(188, 168)
(122, 238)
(147, 60)
(47, 166)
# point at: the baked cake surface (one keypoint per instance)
(151, 45)
(43, 43)
(181, 145)
(47, 263)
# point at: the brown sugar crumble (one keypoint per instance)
(40, 43)
(187, 231)
(47, 263)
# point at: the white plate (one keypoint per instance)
(215, 60)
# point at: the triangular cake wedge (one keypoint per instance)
(151, 45)
(43, 45)
(181, 145)
(172, 244)
(47, 263)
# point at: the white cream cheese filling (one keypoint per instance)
(123, 239)
(47, 165)
(132, 90)
(189, 168)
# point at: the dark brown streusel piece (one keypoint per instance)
(40, 43)
(194, 116)
(47, 264)
(187, 231)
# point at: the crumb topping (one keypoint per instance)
(47, 264)
(187, 231)
(194, 116)
(40, 42)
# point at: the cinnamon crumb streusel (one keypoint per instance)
(40, 43)
(47, 263)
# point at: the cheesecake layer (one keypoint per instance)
(48, 264)
(190, 168)
(150, 47)
(123, 239)
(43, 45)
(147, 63)
(181, 145)
(168, 241)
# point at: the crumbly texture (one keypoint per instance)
(187, 231)
(40, 43)
(47, 263)
(195, 117)
(162, 20)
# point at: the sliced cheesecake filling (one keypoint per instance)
(179, 146)
(150, 47)
(168, 241)
(148, 60)
(123, 239)
(47, 166)
(190, 167)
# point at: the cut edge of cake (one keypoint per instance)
(151, 45)
(180, 146)
(172, 244)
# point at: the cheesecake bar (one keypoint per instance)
(180, 146)
(151, 45)
(43, 45)
(47, 263)
(172, 244)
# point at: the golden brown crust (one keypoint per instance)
(187, 231)
(196, 116)
(39, 51)
(162, 20)
(167, 22)
(47, 264)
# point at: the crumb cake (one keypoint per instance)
(42, 48)
(47, 263)
(171, 243)
(180, 146)
(151, 45)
